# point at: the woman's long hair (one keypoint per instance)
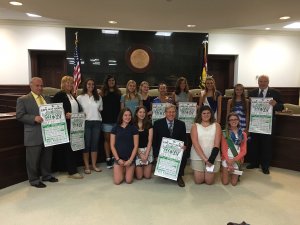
(120, 116)
(127, 94)
(94, 92)
(105, 87)
(146, 123)
(243, 97)
(177, 85)
(209, 78)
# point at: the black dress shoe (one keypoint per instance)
(266, 171)
(39, 185)
(52, 180)
(180, 182)
(252, 166)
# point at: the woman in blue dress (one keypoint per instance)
(239, 105)
(211, 97)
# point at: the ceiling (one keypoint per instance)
(162, 15)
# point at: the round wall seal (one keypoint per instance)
(139, 58)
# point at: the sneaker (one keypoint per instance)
(76, 176)
(109, 163)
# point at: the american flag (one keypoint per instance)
(76, 73)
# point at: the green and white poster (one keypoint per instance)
(169, 158)
(187, 112)
(261, 115)
(77, 131)
(158, 111)
(54, 126)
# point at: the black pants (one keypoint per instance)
(183, 163)
(65, 159)
(260, 152)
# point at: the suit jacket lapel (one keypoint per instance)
(34, 105)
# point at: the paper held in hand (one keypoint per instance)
(54, 126)
(169, 158)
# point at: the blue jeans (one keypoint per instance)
(92, 132)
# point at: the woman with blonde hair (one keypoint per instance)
(211, 97)
(65, 154)
(131, 99)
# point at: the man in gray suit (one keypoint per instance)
(38, 157)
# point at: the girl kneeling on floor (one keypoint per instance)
(124, 140)
(234, 148)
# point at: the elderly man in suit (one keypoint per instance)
(38, 157)
(170, 127)
(261, 147)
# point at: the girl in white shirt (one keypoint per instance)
(91, 104)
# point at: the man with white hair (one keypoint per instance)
(38, 157)
(260, 152)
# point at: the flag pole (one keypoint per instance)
(77, 70)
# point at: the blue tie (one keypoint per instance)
(171, 128)
(261, 94)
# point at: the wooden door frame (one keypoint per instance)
(33, 54)
(231, 60)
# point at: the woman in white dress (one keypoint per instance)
(206, 138)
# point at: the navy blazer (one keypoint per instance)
(271, 93)
(160, 130)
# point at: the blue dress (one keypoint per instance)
(241, 112)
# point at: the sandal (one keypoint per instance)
(87, 171)
(97, 169)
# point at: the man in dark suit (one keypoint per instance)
(170, 127)
(261, 144)
(38, 158)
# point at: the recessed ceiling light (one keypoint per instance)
(109, 31)
(166, 34)
(295, 25)
(191, 25)
(16, 3)
(267, 28)
(284, 17)
(33, 15)
(112, 22)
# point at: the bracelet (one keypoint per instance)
(118, 160)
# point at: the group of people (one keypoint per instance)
(132, 142)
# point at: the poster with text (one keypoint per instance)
(54, 126)
(77, 131)
(261, 115)
(187, 112)
(158, 111)
(169, 158)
